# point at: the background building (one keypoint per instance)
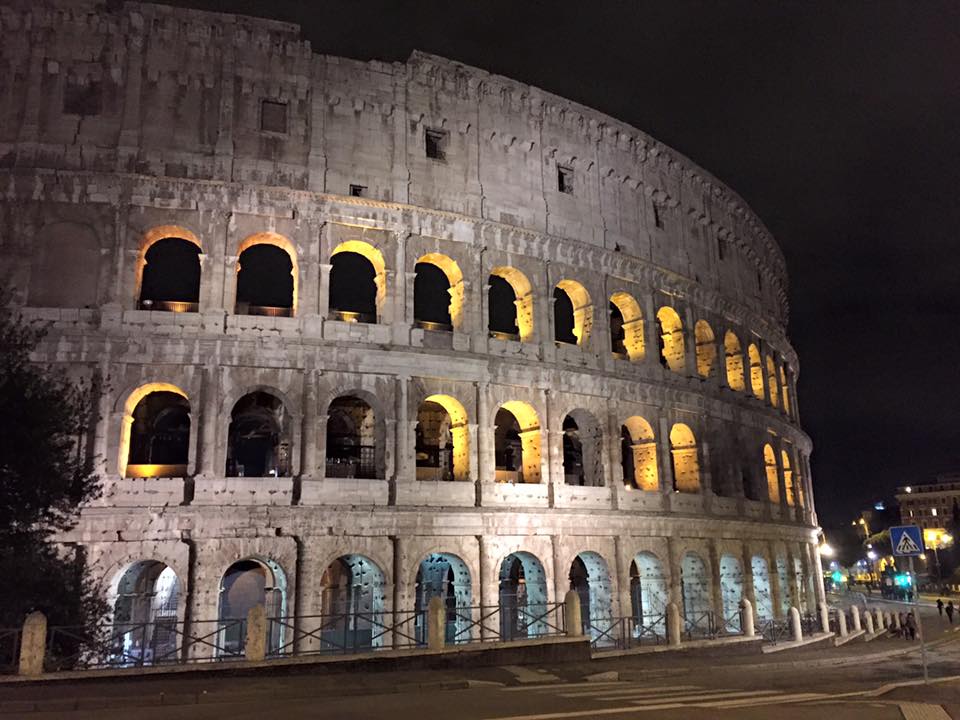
(362, 334)
(932, 505)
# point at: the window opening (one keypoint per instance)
(436, 144)
(565, 179)
(273, 116)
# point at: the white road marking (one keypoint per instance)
(554, 686)
(922, 711)
(635, 689)
(795, 698)
(526, 675)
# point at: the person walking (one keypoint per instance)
(940, 606)
(950, 609)
(912, 626)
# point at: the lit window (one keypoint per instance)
(565, 180)
(273, 116)
(933, 511)
(436, 144)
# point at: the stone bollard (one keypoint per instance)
(842, 624)
(855, 615)
(795, 628)
(255, 643)
(888, 620)
(571, 614)
(673, 624)
(895, 621)
(746, 612)
(824, 617)
(878, 619)
(436, 624)
(33, 644)
(868, 622)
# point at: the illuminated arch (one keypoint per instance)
(685, 459)
(459, 433)
(529, 436)
(127, 422)
(756, 371)
(734, 355)
(523, 299)
(153, 235)
(787, 477)
(523, 596)
(375, 258)
(772, 382)
(649, 595)
(672, 353)
(244, 584)
(278, 241)
(772, 474)
(446, 576)
(454, 275)
(785, 391)
(706, 348)
(352, 599)
(639, 455)
(632, 324)
(582, 309)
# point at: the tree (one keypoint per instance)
(45, 476)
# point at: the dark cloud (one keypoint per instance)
(837, 122)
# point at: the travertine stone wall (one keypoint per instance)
(126, 125)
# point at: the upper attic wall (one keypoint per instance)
(176, 92)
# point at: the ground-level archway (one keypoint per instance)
(762, 592)
(523, 597)
(145, 614)
(352, 604)
(590, 579)
(731, 593)
(246, 584)
(445, 576)
(695, 592)
(649, 595)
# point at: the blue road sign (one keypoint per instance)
(907, 540)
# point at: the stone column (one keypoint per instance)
(776, 592)
(622, 570)
(308, 438)
(489, 586)
(209, 419)
(561, 574)
(404, 431)
(486, 462)
(689, 343)
(749, 590)
(323, 290)
(666, 463)
(676, 582)
(715, 581)
(401, 323)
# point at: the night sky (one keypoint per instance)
(838, 122)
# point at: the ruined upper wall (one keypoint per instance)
(149, 89)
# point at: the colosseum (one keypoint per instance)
(362, 334)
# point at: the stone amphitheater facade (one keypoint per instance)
(597, 393)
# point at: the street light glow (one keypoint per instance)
(826, 550)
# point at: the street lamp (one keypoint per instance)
(826, 550)
(937, 539)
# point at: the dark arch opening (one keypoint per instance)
(573, 472)
(627, 461)
(508, 447)
(265, 282)
(160, 434)
(171, 276)
(503, 308)
(563, 322)
(431, 297)
(617, 335)
(351, 433)
(353, 289)
(259, 438)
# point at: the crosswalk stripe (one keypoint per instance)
(699, 697)
(554, 686)
(796, 697)
(626, 690)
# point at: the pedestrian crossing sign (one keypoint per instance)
(907, 540)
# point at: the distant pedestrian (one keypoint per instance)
(940, 606)
(950, 612)
(912, 626)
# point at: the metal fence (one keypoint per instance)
(774, 631)
(9, 650)
(623, 633)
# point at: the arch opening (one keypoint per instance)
(582, 450)
(437, 293)
(572, 313)
(358, 282)
(169, 276)
(447, 577)
(352, 592)
(353, 436)
(761, 589)
(706, 349)
(523, 597)
(442, 440)
(731, 593)
(259, 438)
(695, 592)
(626, 326)
(510, 305)
(638, 455)
(649, 595)
(145, 619)
(246, 584)
(670, 333)
(756, 371)
(787, 477)
(772, 382)
(771, 471)
(266, 276)
(685, 459)
(155, 439)
(590, 579)
(734, 356)
(517, 443)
